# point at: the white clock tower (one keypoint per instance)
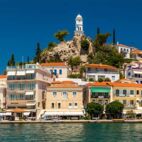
(79, 26)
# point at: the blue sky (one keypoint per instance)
(23, 23)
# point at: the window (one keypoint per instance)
(70, 104)
(59, 105)
(131, 92)
(113, 77)
(52, 105)
(75, 104)
(55, 72)
(74, 94)
(129, 73)
(131, 102)
(137, 92)
(60, 71)
(65, 96)
(124, 92)
(124, 102)
(54, 94)
(117, 92)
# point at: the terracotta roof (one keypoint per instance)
(136, 51)
(122, 45)
(3, 76)
(101, 66)
(64, 84)
(63, 64)
(115, 84)
(99, 84)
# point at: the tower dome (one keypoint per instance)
(79, 25)
(79, 17)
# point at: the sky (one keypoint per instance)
(23, 23)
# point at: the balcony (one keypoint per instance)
(20, 102)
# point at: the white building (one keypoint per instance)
(57, 69)
(125, 50)
(97, 71)
(26, 88)
(133, 71)
(3, 86)
(79, 25)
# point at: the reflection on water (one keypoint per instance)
(115, 132)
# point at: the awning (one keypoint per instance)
(8, 113)
(137, 72)
(63, 114)
(2, 114)
(21, 73)
(100, 90)
(30, 104)
(30, 71)
(26, 113)
(11, 73)
(29, 93)
(18, 110)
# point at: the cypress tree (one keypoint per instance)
(37, 54)
(113, 37)
(98, 30)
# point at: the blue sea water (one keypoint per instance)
(71, 132)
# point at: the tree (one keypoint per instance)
(61, 35)
(101, 39)
(74, 61)
(37, 54)
(113, 37)
(114, 109)
(85, 45)
(94, 109)
(98, 30)
(51, 45)
(107, 79)
(11, 61)
(100, 80)
(108, 55)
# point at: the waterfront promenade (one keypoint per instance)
(73, 121)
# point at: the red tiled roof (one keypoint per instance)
(123, 45)
(101, 66)
(64, 84)
(3, 76)
(63, 64)
(136, 51)
(115, 84)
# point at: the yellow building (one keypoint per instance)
(129, 94)
(64, 100)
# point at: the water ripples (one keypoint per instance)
(69, 132)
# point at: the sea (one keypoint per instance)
(71, 132)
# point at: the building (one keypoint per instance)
(129, 94)
(3, 86)
(136, 54)
(98, 92)
(57, 69)
(26, 88)
(64, 100)
(96, 71)
(79, 25)
(133, 71)
(124, 49)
